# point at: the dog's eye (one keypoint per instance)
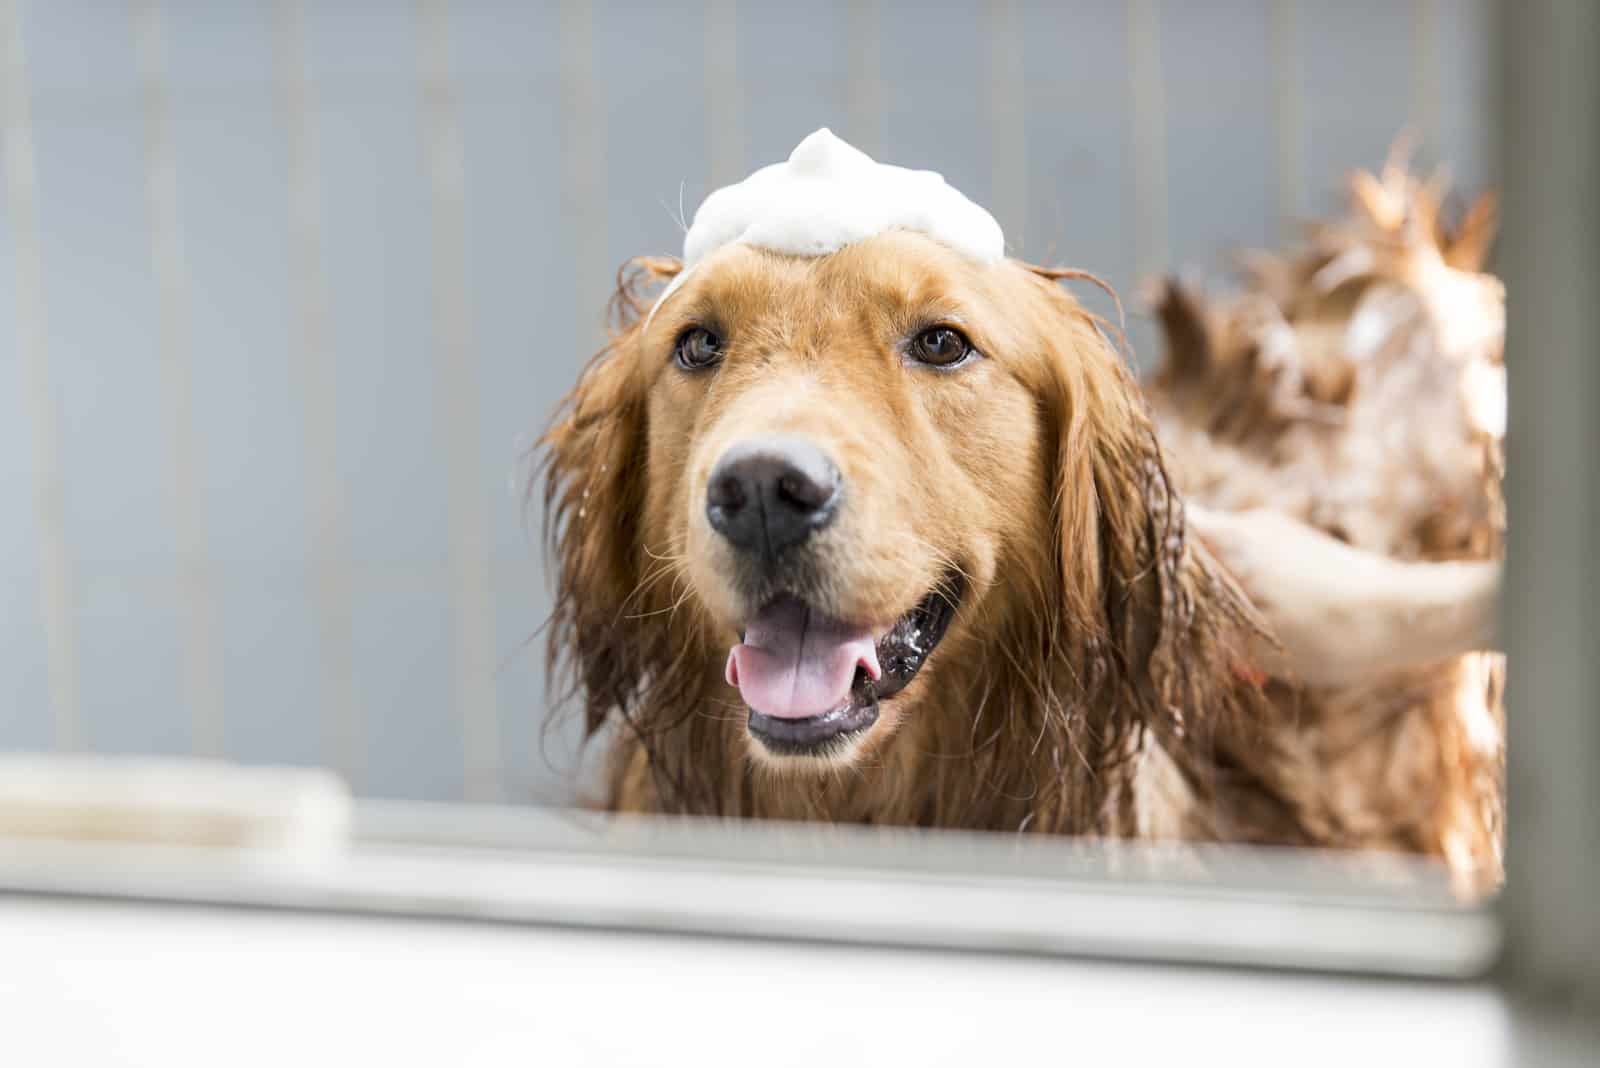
(941, 346)
(697, 349)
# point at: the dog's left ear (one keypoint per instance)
(593, 464)
(1157, 635)
(1130, 577)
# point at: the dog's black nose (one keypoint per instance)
(769, 493)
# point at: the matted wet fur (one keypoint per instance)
(1094, 680)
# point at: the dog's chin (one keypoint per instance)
(838, 736)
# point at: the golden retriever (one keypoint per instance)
(935, 486)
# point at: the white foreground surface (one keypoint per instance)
(124, 984)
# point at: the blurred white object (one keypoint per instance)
(172, 802)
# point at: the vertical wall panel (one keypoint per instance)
(403, 657)
(96, 260)
(794, 61)
(28, 719)
(228, 147)
(105, 364)
(1464, 32)
(1080, 151)
(1358, 79)
(391, 446)
(935, 99)
(520, 248)
(1217, 66)
(375, 211)
(25, 714)
(228, 142)
(648, 67)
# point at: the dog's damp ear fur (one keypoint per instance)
(593, 467)
(1150, 627)
(1118, 524)
(1119, 516)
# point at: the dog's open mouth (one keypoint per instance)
(812, 682)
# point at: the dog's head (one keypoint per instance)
(810, 498)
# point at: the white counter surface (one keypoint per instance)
(96, 983)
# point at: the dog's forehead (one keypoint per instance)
(887, 272)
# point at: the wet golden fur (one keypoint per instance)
(1094, 680)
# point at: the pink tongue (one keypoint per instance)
(795, 662)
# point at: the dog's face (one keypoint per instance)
(843, 454)
(817, 511)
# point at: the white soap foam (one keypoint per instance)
(828, 195)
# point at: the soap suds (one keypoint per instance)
(828, 195)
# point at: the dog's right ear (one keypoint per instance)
(593, 460)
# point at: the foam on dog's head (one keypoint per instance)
(827, 195)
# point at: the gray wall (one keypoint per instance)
(286, 286)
